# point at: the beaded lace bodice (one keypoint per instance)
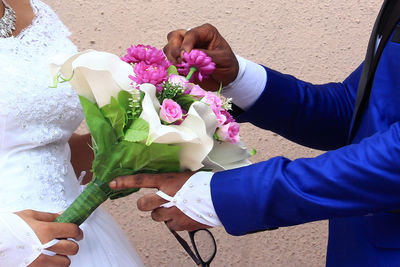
(36, 121)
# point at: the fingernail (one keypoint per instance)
(113, 184)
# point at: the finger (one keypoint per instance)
(64, 230)
(209, 85)
(199, 37)
(150, 202)
(161, 214)
(65, 247)
(143, 180)
(185, 224)
(43, 216)
(173, 225)
(173, 48)
(56, 260)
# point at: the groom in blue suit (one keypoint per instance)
(356, 184)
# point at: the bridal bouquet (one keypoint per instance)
(147, 116)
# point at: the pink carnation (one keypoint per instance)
(229, 132)
(154, 74)
(198, 59)
(170, 111)
(148, 54)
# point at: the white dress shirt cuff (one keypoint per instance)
(248, 85)
(194, 199)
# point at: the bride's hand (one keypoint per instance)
(46, 230)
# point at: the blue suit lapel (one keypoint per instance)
(387, 20)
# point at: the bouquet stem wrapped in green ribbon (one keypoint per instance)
(128, 136)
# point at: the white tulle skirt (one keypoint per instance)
(104, 244)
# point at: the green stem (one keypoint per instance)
(191, 71)
(84, 205)
(220, 88)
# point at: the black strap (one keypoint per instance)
(185, 245)
(387, 20)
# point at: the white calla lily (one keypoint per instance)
(194, 135)
(63, 64)
(97, 75)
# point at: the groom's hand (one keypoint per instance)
(206, 38)
(46, 229)
(169, 183)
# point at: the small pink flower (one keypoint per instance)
(213, 100)
(148, 54)
(200, 61)
(229, 132)
(220, 117)
(179, 80)
(197, 91)
(170, 111)
(154, 74)
(228, 116)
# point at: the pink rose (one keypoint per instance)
(197, 91)
(170, 111)
(229, 132)
(213, 100)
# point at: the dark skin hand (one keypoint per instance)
(169, 183)
(207, 39)
(42, 223)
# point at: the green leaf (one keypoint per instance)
(138, 131)
(137, 157)
(185, 101)
(163, 158)
(172, 70)
(123, 99)
(101, 130)
(116, 115)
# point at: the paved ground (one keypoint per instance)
(318, 41)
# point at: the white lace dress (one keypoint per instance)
(36, 123)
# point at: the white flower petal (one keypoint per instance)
(225, 156)
(105, 74)
(63, 64)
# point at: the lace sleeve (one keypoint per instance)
(19, 245)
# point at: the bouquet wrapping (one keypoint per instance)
(144, 117)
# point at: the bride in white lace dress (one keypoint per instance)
(36, 123)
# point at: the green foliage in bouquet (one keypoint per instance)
(118, 136)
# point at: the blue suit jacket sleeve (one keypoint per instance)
(317, 116)
(353, 180)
